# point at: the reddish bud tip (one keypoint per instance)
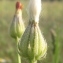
(18, 5)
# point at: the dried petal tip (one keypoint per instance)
(18, 5)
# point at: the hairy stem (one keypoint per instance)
(19, 57)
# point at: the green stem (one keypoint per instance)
(56, 54)
(19, 57)
(32, 61)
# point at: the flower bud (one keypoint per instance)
(17, 26)
(32, 45)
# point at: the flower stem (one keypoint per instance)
(19, 57)
(32, 61)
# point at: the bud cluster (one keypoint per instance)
(32, 45)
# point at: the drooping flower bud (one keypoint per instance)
(17, 26)
(32, 45)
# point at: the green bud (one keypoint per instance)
(32, 45)
(17, 27)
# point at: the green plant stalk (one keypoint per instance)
(19, 57)
(32, 61)
(56, 54)
(56, 48)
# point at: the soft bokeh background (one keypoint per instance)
(51, 18)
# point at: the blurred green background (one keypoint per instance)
(51, 17)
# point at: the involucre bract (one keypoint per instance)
(32, 45)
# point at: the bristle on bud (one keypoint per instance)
(19, 5)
